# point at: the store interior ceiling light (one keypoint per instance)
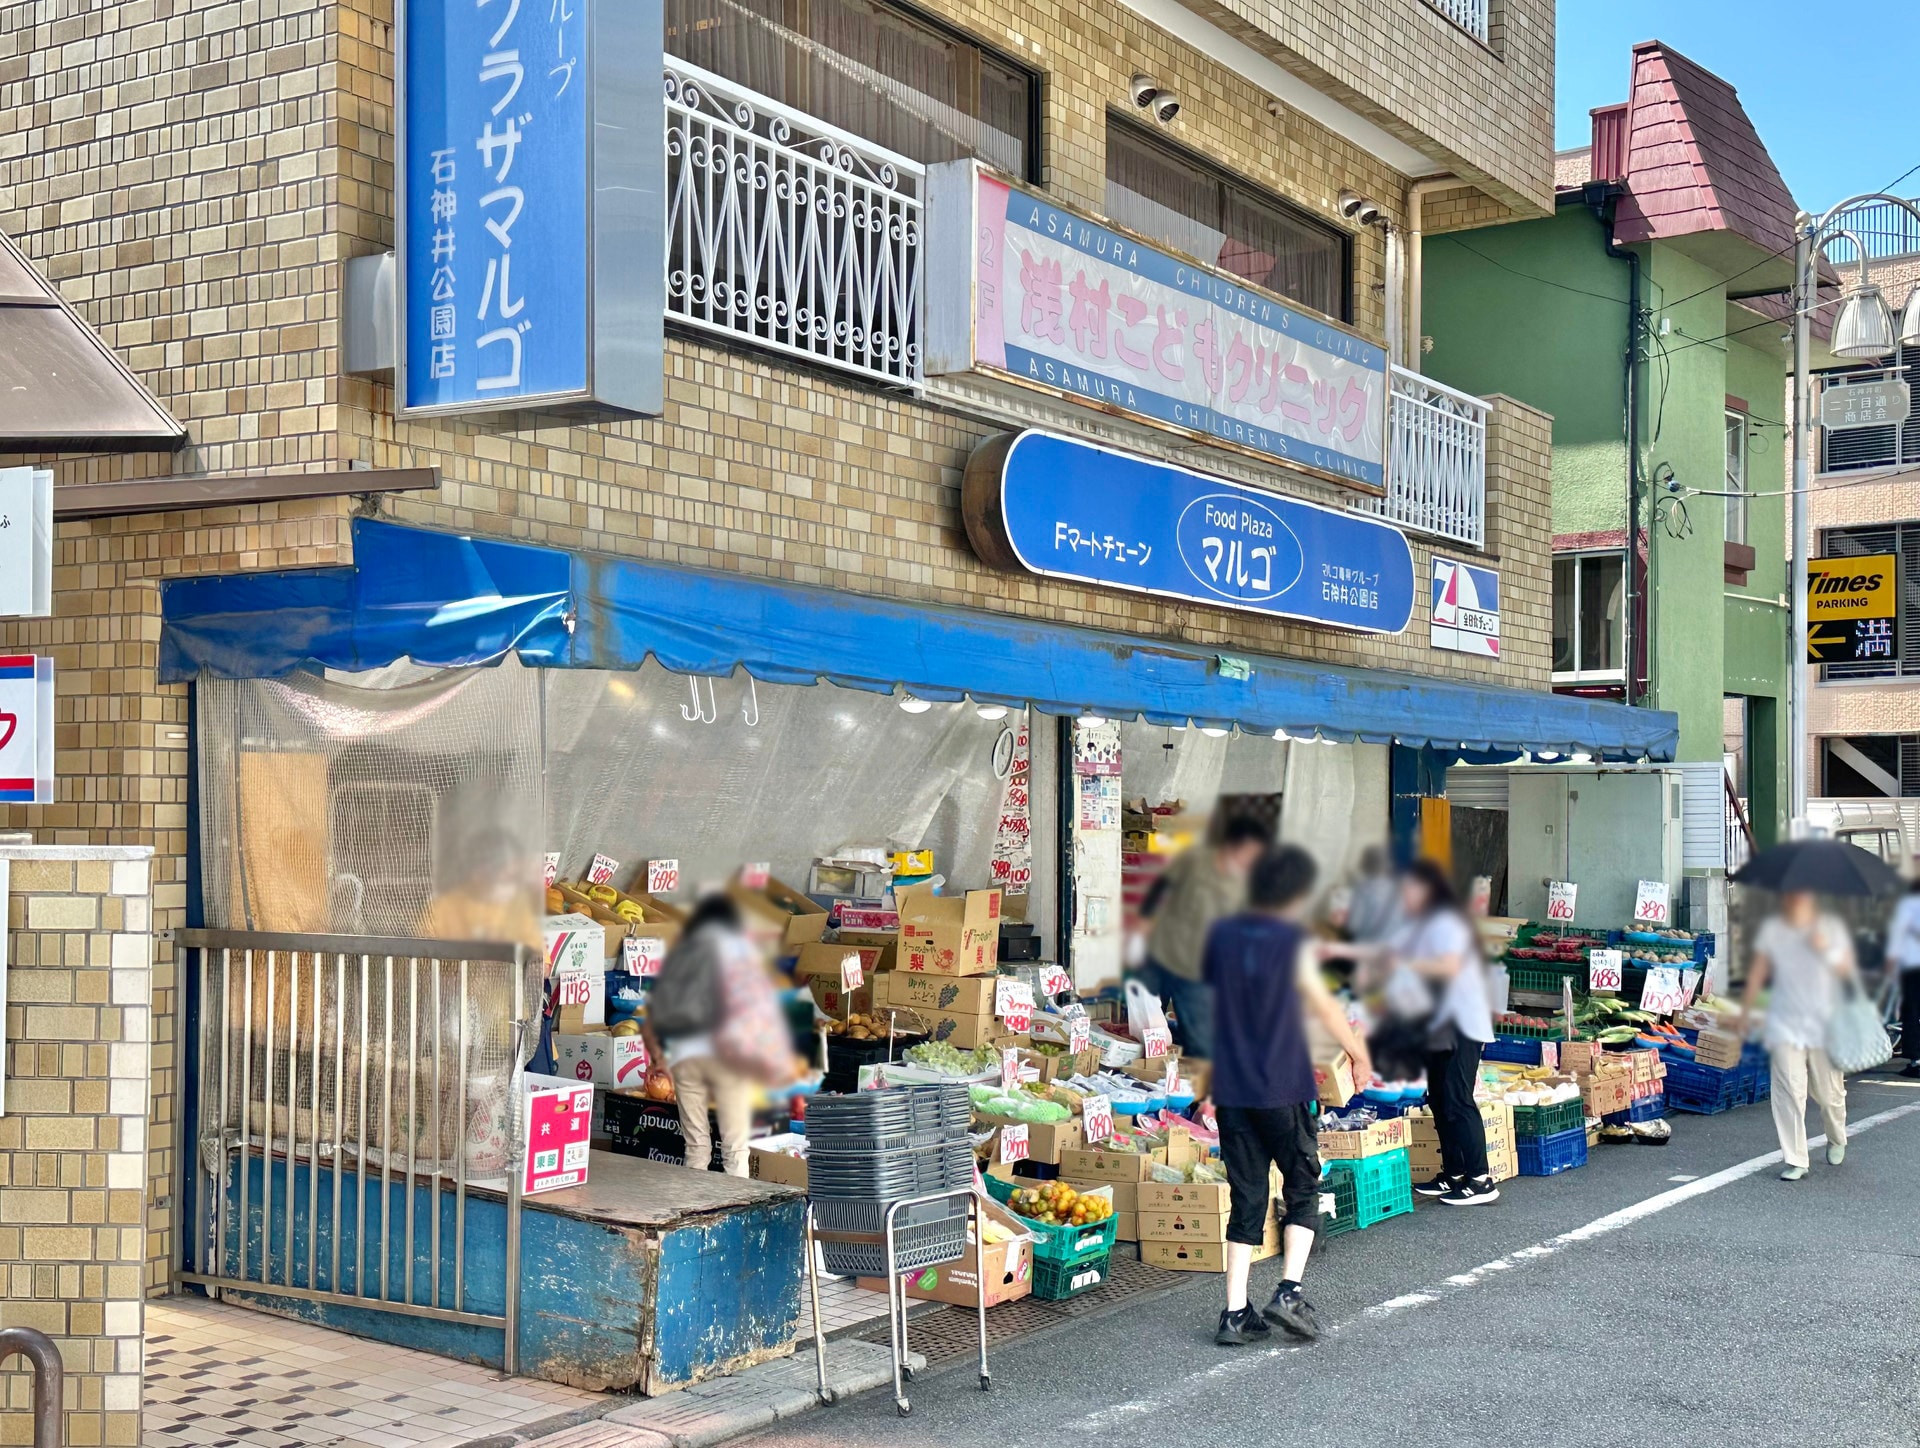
(991, 711)
(1863, 327)
(915, 706)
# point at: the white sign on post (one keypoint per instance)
(1013, 1143)
(550, 869)
(1011, 997)
(1689, 983)
(586, 989)
(1054, 981)
(1009, 1068)
(1663, 994)
(26, 729)
(1605, 969)
(1096, 1119)
(1650, 903)
(1155, 1041)
(26, 542)
(1079, 1036)
(1480, 896)
(852, 977)
(1560, 897)
(641, 954)
(663, 877)
(601, 871)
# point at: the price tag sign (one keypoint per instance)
(1650, 903)
(602, 870)
(1480, 897)
(1079, 1036)
(584, 989)
(1171, 1080)
(1013, 1143)
(1054, 981)
(1009, 996)
(755, 876)
(1019, 1018)
(852, 977)
(641, 954)
(1156, 1042)
(1604, 970)
(1663, 993)
(663, 877)
(1560, 897)
(1009, 1068)
(1096, 1119)
(1689, 983)
(550, 869)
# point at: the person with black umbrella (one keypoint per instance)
(1804, 953)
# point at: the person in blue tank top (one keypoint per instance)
(1264, 972)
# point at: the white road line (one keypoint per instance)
(1461, 1281)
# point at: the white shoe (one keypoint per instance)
(1836, 1153)
(1793, 1174)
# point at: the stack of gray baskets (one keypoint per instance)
(868, 1151)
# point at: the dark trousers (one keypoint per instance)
(1456, 1116)
(1253, 1139)
(1910, 1014)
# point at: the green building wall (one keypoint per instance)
(1540, 311)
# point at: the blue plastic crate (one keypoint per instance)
(1512, 1050)
(1705, 1090)
(1549, 1155)
(1648, 1108)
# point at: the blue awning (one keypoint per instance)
(445, 600)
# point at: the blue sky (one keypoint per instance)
(1782, 57)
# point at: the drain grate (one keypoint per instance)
(951, 1335)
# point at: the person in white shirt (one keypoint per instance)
(1804, 954)
(1903, 955)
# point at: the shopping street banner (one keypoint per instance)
(1063, 508)
(1059, 302)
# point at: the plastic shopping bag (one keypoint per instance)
(1856, 1041)
(1143, 1012)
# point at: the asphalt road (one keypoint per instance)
(1685, 1307)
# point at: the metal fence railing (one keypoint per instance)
(1437, 460)
(789, 233)
(355, 1097)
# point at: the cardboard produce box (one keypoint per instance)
(1046, 1141)
(967, 995)
(1200, 1256)
(1009, 1269)
(818, 967)
(1720, 1049)
(1333, 1080)
(1102, 1168)
(1183, 1227)
(1608, 1092)
(780, 916)
(1061, 1067)
(965, 1032)
(948, 934)
(575, 942)
(1382, 1136)
(1126, 1226)
(1207, 1197)
(771, 1159)
(605, 1060)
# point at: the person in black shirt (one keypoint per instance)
(1264, 972)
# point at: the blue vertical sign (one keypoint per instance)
(505, 269)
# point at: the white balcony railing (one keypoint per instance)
(789, 233)
(1437, 462)
(1469, 15)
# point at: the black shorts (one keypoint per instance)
(1251, 1139)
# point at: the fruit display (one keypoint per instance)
(1019, 1105)
(1058, 1205)
(858, 1027)
(944, 1057)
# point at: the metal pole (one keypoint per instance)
(38, 1349)
(1804, 295)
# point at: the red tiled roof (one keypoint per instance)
(1694, 161)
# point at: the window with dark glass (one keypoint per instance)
(878, 72)
(1587, 596)
(1169, 195)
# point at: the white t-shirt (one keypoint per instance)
(1805, 969)
(1903, 935)
(1463, 1000)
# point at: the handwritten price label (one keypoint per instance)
(1009, 1068)
(1604, 970)
(641, 954)
(1055, 981)
(1650, 902)
(852, 977)
(1480, 897)
(755, 876)
(1171, 1081)
(602, 870)
(1663, 994)
(663, 877)
(1560, 897)
(1096, 1119)
(550, 869)
(1019, 1018)
(1010, 995)
(1013, 1143)
(584, 989)
(1079, 1036)
(1155, 1043)
(1689, 983)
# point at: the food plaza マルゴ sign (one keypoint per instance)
(1023, 290)
(1063, 508)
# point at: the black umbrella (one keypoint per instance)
(1827, 867)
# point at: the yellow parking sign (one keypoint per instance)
(1843, 588)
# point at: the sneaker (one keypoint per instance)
(1237, 1329)
(1438, 1187)
(1293, 1312)
(1793, 1174)
(1913, 1070)
(1836, 1153)
(1472, 1193)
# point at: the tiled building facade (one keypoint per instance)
(193, 175)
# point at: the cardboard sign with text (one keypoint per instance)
(1650, 903)
(1560, 897)
(557, 1123)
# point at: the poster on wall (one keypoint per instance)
(26, 542)
(26, 729)
(531, 192)
(1465, 615)
(1012, 863)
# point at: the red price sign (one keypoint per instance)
(550, 869)
(852, 977)
(1155, 1043)
(1009, 1068)
(1096, 1119)
(1689, 983)
(641, 954)
(1560, 897)
(1651, 903)
(1604, 970)
(1010, 995)
(1013, 1143)
(1171, 1081)
(663, 877)
(573, 990)
(1079, 1036)
(1019, 1019)
(602, 870)
(1055, 981)
(1663, 992)
(755, 877)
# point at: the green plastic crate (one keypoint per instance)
(1065, 1245)
(1345, 1216)
(1382, 1185)
(1535, 1121)
(1532, 975)
(1057, 1281)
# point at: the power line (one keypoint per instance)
(1529, 276)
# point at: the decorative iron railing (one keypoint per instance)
(789, 233)
(1437, 464)
(1469, 15)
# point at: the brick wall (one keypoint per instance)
(73, 1139)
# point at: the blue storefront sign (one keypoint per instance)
(1064, 508)
(527, 263)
